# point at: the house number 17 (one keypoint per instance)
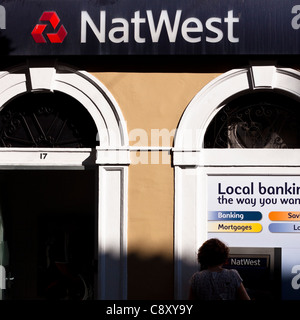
(43, 155)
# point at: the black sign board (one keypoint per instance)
(149, 27)
(248, 262)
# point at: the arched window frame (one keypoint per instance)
(193, 164)
(110, 159)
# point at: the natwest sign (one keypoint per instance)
(144, 27)
(189, 29)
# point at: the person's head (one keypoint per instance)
(213, 252)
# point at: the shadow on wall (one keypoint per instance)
(151, 278)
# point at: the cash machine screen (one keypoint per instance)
(260, 272)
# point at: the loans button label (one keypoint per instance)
(284, 227)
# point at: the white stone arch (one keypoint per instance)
(82, 86)
(209, 100)
(193, 163)
(111, 159)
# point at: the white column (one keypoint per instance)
(112, 226)
(186, 230)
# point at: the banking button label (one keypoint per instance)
(234, 216)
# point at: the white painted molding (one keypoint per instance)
(193, 163)
(112, 232)
(109, 156)
(205, 105)
(41, 78)
(42, 158)
(185, 229)
(238, 157)
(263, 77)
(111, 160)
(83, 87)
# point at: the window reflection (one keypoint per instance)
(261, 120)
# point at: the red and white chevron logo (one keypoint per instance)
(52, 17)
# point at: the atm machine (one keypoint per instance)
(260, 269)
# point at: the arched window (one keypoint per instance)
(46, 119)
(256, 120)
(66, 109)
(250, 110)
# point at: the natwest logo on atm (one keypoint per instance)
(247, 261)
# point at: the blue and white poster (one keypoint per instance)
(259, 212)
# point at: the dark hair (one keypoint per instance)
(213, 252)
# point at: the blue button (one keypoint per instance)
(234, 215)
(284, 227)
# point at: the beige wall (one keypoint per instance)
(151, 101)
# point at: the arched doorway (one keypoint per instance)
(50, 229)
(62, 127)
(233, 129)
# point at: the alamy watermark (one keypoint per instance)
(155, 146)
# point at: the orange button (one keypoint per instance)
(284, 215)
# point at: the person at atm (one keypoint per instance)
(214, 282)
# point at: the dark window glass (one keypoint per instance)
(260, 120)
(49, 120)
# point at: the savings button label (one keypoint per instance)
(284, 215)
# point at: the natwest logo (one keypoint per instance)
(52, 17)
